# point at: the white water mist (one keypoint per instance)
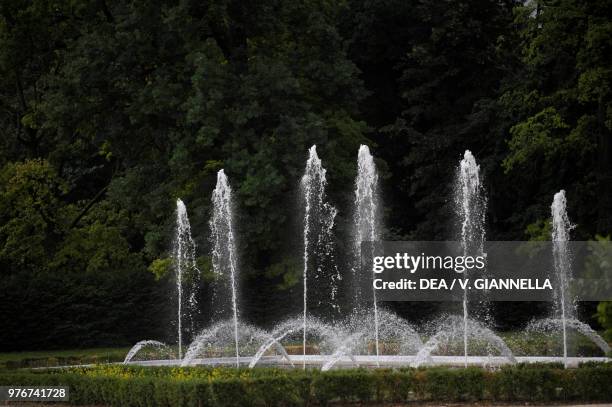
(224, 257)
(319, 218)
(366, 228)
(187, 274)
(470, 204)
(561, 227)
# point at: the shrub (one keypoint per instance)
(134, 386)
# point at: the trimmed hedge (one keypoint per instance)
(140, 387)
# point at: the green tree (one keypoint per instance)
(446, 71)
(561, 105)
(32, 215)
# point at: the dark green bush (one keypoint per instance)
(147, 387)
(450, 384)
(287, 391)
(347, 386)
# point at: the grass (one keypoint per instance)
(51, 358)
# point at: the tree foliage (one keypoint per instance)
(112, 109)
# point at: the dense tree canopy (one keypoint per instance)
(112, 109)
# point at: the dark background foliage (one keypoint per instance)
(112, 109)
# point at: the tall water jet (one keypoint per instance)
(561, 227)
(186, 271)
(470, 204)
(366, 227)
(224, 257)
(564, 310)
(319, 219)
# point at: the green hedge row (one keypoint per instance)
(518, 383)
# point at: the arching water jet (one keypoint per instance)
(142, 345)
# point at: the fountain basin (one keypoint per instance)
(372, 361)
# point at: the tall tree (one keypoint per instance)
(561, 104)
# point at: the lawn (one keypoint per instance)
(50, 358)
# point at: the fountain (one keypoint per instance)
(358, 333)
(142, 345)
(455, 326)
(184, 262)
(561, 227)
(224, 257)
(555, 325)
(347, 340)
(366, 228)
(369, 336)
(470, 207)
(564, 318)
(211, 344)
(319, 218)
(470, 203)
(291, 331)
(273, 341)
(564, 306)
(187, 277)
